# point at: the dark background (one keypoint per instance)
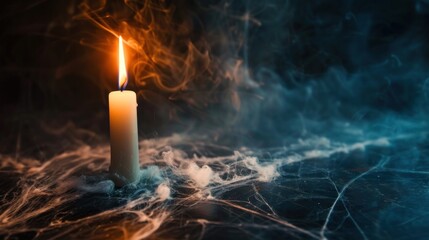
(320, 61)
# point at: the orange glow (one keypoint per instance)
(123, 79)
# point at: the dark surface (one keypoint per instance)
(366, 193)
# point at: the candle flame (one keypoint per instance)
(123, 79)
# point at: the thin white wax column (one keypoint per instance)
(124, 147)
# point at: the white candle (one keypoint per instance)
(124, 162)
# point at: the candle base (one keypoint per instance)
(120, 180)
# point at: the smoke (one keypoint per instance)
(273, 69)
(268, 70)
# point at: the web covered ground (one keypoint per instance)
(314, 188)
